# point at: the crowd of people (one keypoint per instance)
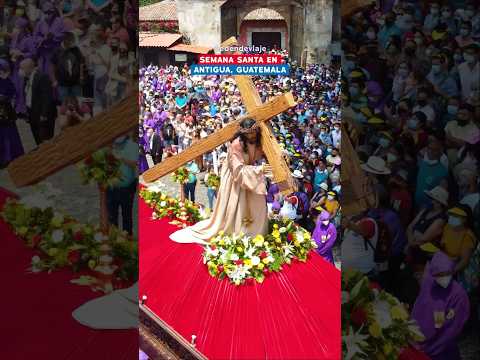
(61, 60)
(178, 109)
(411, 103)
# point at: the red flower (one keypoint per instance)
(239, 262)
(220, 269)
(263, 255)
(78, 236)
(289, 237)
(213, 247)
(359, 316)
(265, 271)
(36, 240)
(73, 256)
(373, 285)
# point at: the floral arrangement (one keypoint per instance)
(62, 242)
(180, 175)
(180, 213)
(164, 26)
(375, 325)
(102, 168)
(213, 181)
(242, 258)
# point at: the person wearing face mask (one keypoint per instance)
(415, 128)
(399, 81)
(22, 46)
(464, 37)
(431, 172)
(461, 131)
(469, 70)
(388, 30)
(458, 240)
(468, 189)
(69, 65)
(443, 83)
(448, 19)
(325, 235)
(441, 309)
(423, 104)
(117, 31)
(32, 11)
(49, 33)
(432, 19)
(451, 111)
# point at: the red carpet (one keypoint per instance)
(294, 314)
(36, 312)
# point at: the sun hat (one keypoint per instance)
(297, 174)
(324, 186)
(376, 165)
(439, 194)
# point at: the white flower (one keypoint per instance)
(282, 230)
(35, 259)
(211, 252)
(249, 251)
(163, 204)
(58, 218)
(381, 310)
(57, 236)
(238, 274)
(270, 259)
(234, 257)
(98, 237)
(299, 236)
(353, 341)
(255, 260)
(345, 297)
(154, 215)
(288, 249)
(245, 241)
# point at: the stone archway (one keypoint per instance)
(264, 27)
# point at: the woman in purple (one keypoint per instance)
(10, 143)
(441, 309)
(22, 47)
(49, 34)
(324, 236)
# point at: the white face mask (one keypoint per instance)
(326, 222)
(329, 197)
(444, 281)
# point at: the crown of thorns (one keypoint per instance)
(249, 130)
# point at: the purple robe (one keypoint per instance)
(325, 237)
(25, 43)
(142, 160)
(46, 47)
(452, 302)
(10, 142)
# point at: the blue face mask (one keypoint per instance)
(384, 143)
(454, 221)
(452, 109)
(412, 124)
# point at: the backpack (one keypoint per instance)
(69, 67)
(383, 249)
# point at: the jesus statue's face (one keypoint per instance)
(252, 138)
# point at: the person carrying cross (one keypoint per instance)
(241, 203)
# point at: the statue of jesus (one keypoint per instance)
(241, 199)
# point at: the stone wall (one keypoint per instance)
(200, 21)
(318, 30)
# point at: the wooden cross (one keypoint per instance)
(75, 143)
(261, 113)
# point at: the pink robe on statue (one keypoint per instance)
(241, 186)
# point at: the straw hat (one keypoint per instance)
(297, 174)
(439, 194)
(376, 165)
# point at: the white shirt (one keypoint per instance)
(469, 133)
(468, 77)
(471, 200)
(354, 255)
(28, 89)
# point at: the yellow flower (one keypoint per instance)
(306, 235)
(258, 240)
(52, 251)
(247, 262)
(278, 241)
(261, 266)
(296, 243)
(221, 233)
(275, 226)
(92, 264)
(399, 313)
(265, 261)
(387, 348)
(375, 330)
(163, 197)
(276, 233)
(221, 242)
